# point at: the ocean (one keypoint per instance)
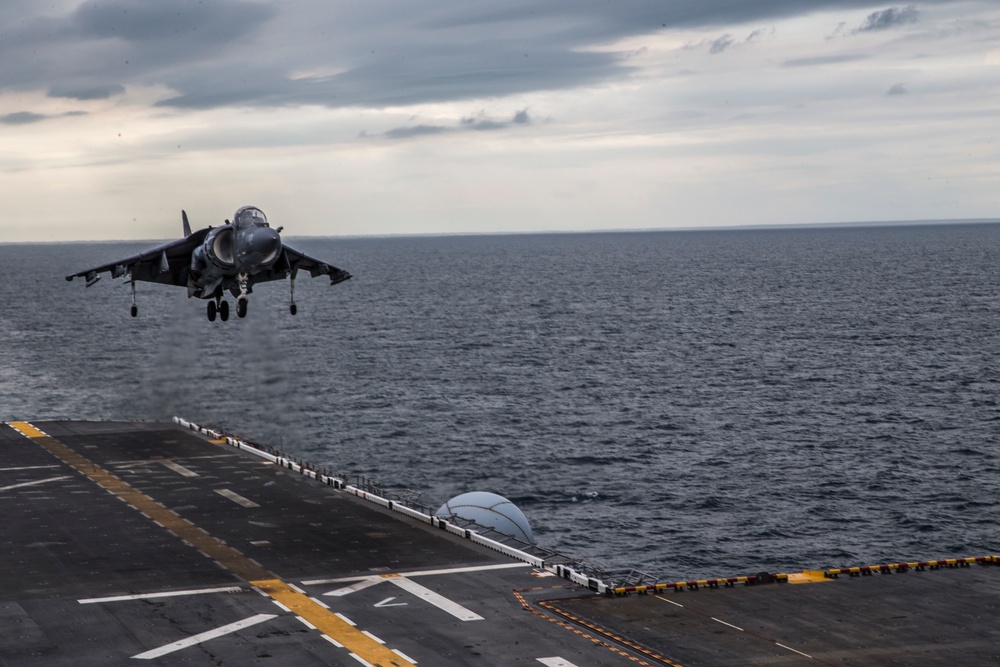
(690, 404)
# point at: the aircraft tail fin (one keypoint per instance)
(187, 225)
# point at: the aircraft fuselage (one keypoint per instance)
(231, 253)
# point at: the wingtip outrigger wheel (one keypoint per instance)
(134, 310)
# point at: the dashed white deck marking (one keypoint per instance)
(753, 634)
(236, 498)
(556, 662)
(404, 656)
(204, 637)
(166, 594)
(27, 468)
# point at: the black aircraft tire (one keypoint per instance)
(134, 311)
(224, 311)
(293, 309)
(211, 311)
(241, 308)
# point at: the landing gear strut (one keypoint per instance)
(292, 308)
(241, 300)
(134, 310)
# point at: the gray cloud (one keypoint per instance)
(98, 92)
(415, 131)
(476, 124)
(22, 118)
(241, 53)
(889, 18)
(897, 89)
(823, 60)
(721, 44)
(182, 23)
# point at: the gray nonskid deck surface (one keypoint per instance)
(83, 563)
(88, 578)
(925, 619)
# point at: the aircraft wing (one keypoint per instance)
(166, 264)
(292, 261)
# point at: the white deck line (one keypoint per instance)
(167, 594)
(204, 637)
(236, 498)
(37, 481)
(439, 601)
(178, 468)
(367, 582)
(419, 573)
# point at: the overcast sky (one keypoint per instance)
(400, 117)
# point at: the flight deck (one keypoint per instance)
(131, 543)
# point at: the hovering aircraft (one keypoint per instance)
(234, 256)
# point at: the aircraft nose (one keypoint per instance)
(265, 242)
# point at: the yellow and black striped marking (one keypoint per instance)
(886, 568)
(331, 625)
(600, 631)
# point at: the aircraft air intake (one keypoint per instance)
(222, 247)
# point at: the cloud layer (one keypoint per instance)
(527, 115)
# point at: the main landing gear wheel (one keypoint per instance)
(241, 308)
(211, 311)
(224, 310)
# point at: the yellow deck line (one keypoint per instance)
(329, 624)
(323, 619)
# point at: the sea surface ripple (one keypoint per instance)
(686, 403)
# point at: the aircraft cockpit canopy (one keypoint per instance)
(250, 216)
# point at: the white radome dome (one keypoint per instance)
(488, 510)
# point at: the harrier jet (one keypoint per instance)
(234, 256)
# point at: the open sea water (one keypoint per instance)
(691, 404)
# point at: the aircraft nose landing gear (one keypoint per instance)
(241, 308)
(220, 308)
